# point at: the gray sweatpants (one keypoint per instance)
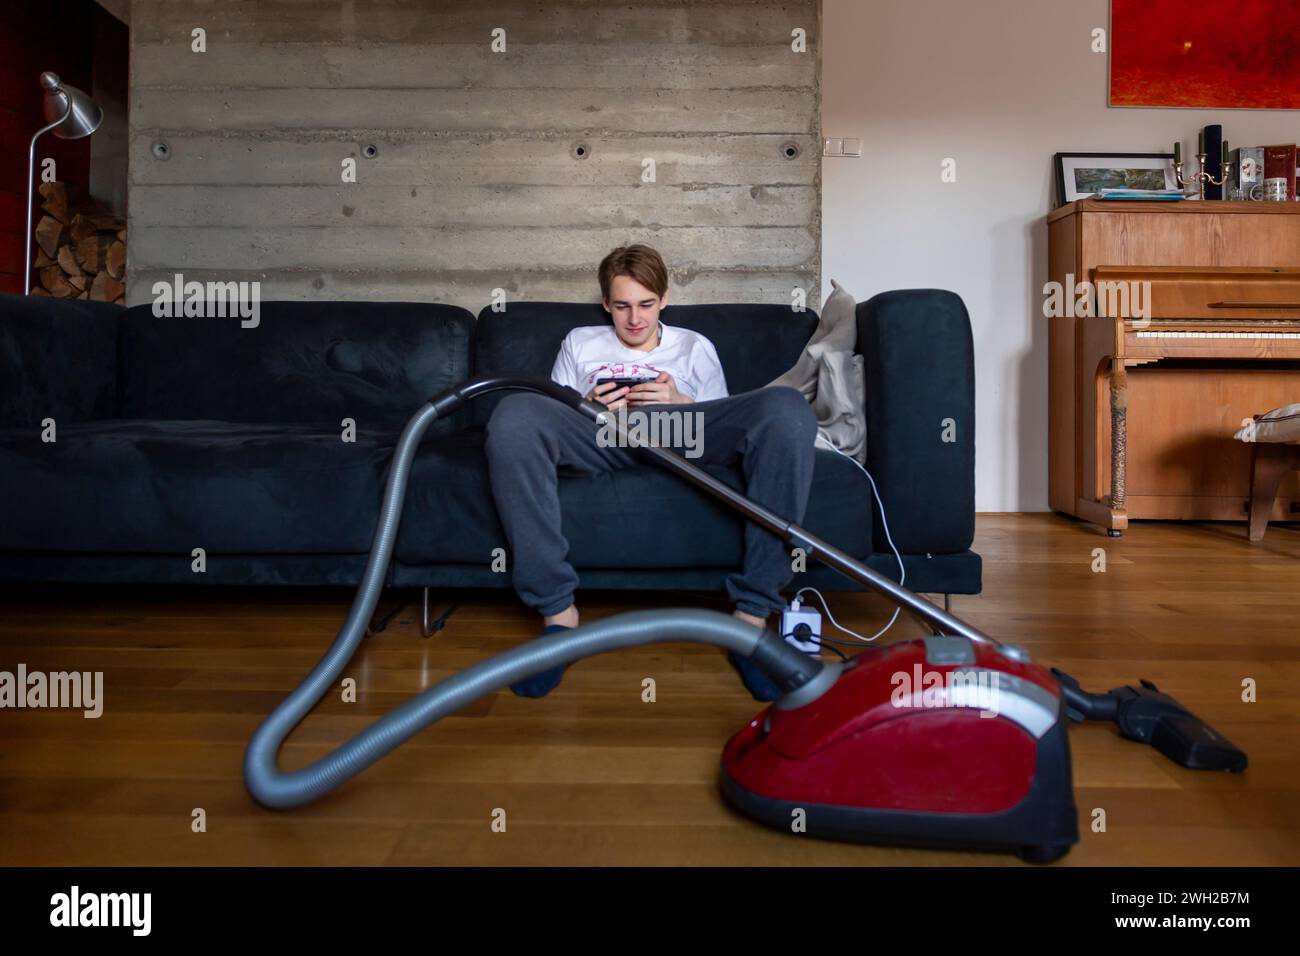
(532, 438)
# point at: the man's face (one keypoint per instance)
(635, 311)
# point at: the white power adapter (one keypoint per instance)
(802, 627)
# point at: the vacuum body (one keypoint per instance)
(935, 742)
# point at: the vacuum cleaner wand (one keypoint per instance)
(795, 536)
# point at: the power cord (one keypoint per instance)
(902, 570)
(826, 608)
(823, 641)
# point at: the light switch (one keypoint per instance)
(852, 147)
(833, 147)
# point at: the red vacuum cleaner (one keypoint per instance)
(952, 741)
(980, 765)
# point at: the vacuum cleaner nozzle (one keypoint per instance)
(1148, 716)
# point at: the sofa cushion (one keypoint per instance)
(58, 359)
(755, 343)
(308, 362)
(1279, 425)
(172, 486)
(450, 515)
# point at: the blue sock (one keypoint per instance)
(542, 683)
(758, 684)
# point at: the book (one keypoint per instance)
(1280, 163)
(1213, 159)
(1144, 194)
(1247, 172)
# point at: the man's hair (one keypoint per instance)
(638, 262)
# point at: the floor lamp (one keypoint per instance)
(71, 114)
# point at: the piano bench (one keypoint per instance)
(1271, 462)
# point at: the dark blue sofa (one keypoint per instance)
(180, 433)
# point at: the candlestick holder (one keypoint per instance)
(1200, 178)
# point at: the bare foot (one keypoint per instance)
(568, 617)
(759, 622)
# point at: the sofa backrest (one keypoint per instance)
(58, 359)
(320, 362)
(309, 362)
(755, 343)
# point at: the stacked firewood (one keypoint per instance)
(80, 255)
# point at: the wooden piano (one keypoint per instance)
(1146, 393)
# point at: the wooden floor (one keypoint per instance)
(592, 774)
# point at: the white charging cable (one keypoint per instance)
(902, 571)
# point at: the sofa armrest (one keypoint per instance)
(919, 368)
(58, 359)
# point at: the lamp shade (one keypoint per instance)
(84, 116)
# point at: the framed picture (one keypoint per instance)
(1080, 175)
(1205, 54)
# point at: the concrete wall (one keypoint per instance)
(110, 88)
(474, 186)
(1000, 86)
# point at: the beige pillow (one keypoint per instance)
(837, 327)
(1281, 424)
(830, 376)
(841, 390)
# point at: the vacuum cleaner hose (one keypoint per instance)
(274, 788)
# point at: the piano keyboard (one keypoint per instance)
(1216, 335)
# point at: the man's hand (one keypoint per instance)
(610, 394)
(662, 391)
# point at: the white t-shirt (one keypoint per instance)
(594, 352)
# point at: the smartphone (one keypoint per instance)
(621, 382)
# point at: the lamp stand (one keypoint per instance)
(31, 184)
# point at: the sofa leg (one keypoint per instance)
(429, 628)
(380, 621)
(947, 603)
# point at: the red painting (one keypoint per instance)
(1205, 53)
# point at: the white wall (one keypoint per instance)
(1000, 86)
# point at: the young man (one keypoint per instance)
(770, 431)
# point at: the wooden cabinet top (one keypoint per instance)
(1185, 207)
